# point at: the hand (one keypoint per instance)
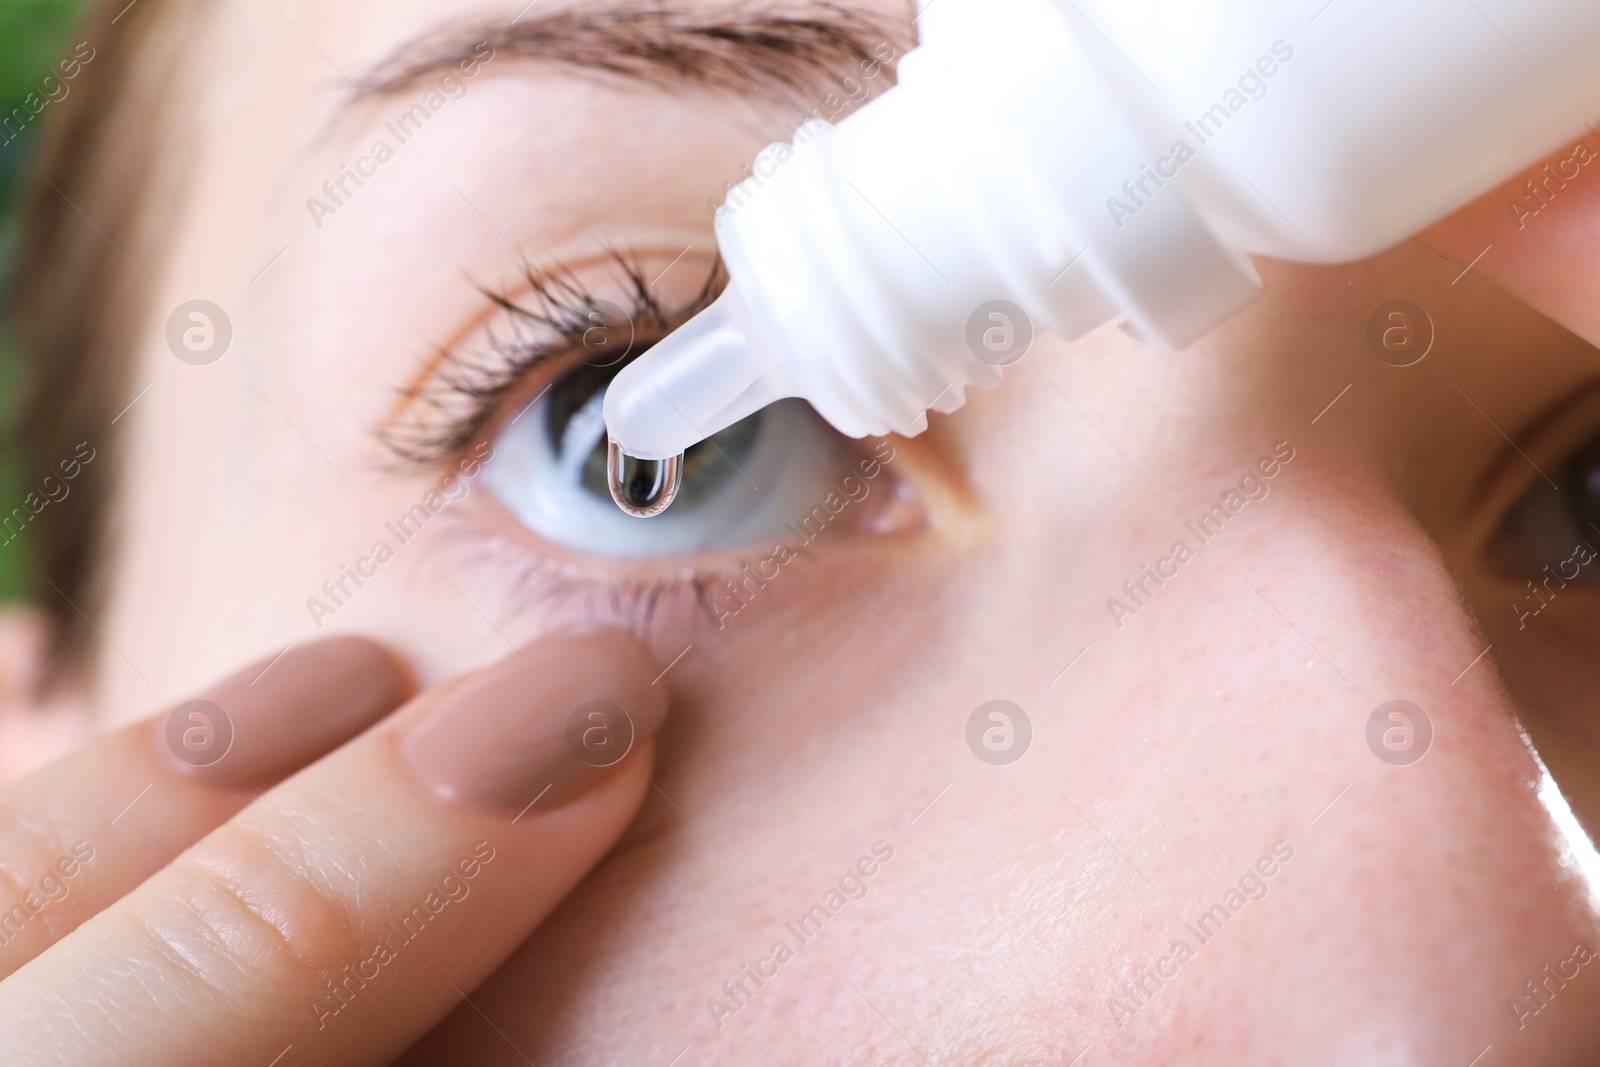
(168, 896)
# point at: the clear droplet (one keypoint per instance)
(642, 487)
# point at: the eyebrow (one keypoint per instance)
(789, 51)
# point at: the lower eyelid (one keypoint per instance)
(517, 581)
(665, 611)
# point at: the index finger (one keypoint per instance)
(79, 833)
(353, 905)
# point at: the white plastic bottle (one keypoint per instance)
(1090, 159)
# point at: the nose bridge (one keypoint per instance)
(1321, 592)
(1319, 541)
(1338, 559)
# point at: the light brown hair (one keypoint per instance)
(87, 257)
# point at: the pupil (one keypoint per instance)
(568, 396)
(708, 466)
(645, 483)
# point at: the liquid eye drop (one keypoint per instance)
(1057, 164)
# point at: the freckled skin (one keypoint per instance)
(1217, 721)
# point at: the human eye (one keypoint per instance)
(739, 486)
(1547, 539)
(525, 393)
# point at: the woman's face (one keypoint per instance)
(1218, 844)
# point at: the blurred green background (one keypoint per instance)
(33, 34)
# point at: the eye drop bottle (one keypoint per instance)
(1052, 165)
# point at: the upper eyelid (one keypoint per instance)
(461, 392)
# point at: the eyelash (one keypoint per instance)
(464, 394)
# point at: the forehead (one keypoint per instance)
(294, 94)
(744, 48)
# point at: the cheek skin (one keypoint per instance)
(1192, 757)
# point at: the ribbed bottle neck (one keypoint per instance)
(983, 175)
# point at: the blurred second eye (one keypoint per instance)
(1555, 527)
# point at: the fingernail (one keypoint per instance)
(540, 725)
(281, 713)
